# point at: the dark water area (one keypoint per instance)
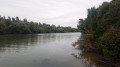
(42, 50)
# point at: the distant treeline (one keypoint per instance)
(102, 29)
(16, 26)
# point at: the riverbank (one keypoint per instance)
(102, 31)
(92, 53)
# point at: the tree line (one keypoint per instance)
(102, 27)
(13, 25)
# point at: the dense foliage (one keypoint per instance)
(17, 26)
(103, 26)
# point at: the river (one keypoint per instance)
(40, 50)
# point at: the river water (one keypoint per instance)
(40, 50)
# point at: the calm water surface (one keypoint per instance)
(40, 50)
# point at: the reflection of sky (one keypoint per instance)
(58, 12)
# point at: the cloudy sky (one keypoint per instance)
(58, 12)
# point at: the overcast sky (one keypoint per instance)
(57, 12)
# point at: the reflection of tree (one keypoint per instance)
(92, 60)
(46, 38)
(16, 40)
(24, 41)
(85, 61)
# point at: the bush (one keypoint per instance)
(110, 42)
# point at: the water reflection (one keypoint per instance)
(24, 41)
(38, 50)
(16, 41)
(45, 50)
